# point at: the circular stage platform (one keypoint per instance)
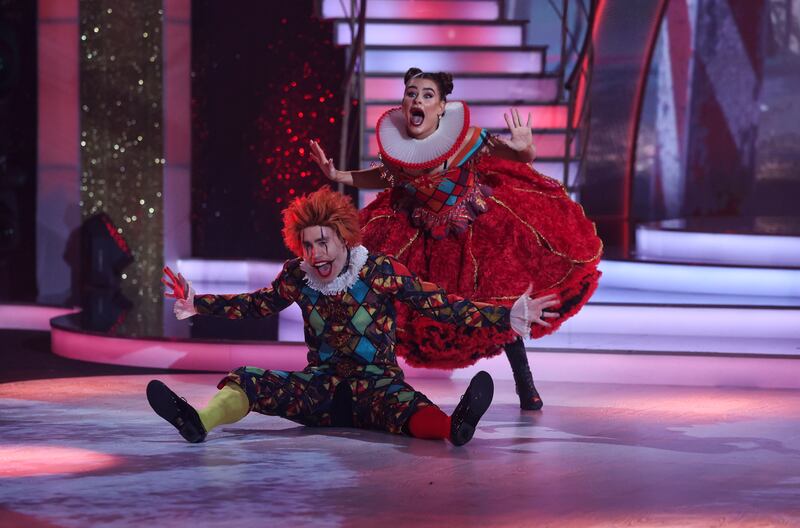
(772, 242)
(201, 344)
(83, 452)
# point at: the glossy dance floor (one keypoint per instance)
(89, 452)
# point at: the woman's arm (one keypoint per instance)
(362, 179)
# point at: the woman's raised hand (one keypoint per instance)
(521, 136)
(326, 165)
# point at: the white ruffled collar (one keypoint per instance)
(358, 256)
(398, 148)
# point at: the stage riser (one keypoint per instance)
(701, 279)
(401, 9)
(470, 89)
(437, 34)
(455, 61)
(718, 248)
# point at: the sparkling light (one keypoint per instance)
(122, 144)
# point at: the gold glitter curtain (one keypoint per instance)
(122, 144)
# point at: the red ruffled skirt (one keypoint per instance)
(532, 233)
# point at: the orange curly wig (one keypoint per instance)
(321, 208)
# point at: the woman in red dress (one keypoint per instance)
(466, 210)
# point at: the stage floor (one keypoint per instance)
(79, 452)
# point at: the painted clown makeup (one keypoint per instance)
(324, 251)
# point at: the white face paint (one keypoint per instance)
(324, 251)
(422, 106)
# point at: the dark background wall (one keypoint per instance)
(265, 80)
(18, 130)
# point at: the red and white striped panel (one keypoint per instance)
(547, 145)
(455, 61)
(491, 116)
(471, 89)
(416, 34)
(417, 9)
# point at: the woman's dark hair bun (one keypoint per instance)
(443, 80)
(445, 83)
(410, 73)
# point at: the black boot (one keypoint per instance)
(469, 410)
(529, 398)
(176, 411)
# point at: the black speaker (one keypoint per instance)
(103, 309)
(104, 253)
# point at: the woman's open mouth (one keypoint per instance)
(324, 268)
(416, 116)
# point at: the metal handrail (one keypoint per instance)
(578, 81)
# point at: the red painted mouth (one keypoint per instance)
(324, 268)
(416, 116)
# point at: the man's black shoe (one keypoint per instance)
(176, 411)
(469, 410)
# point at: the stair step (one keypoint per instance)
(543, 116)
(417, 9)
(434, 33)
(544, 89)
(454, 59)
(548, 145)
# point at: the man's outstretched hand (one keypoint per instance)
(526, 312)
(176, 283)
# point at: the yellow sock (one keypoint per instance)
(229, 405)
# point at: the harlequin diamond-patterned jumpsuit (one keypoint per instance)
(351, 340)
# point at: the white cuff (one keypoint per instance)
(520, 319)
(184, 308)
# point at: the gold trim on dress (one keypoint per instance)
(515, 215)
(541, 239)
(533, 294)
(474, 262)
(408, 244)
(559, 195)
(378, 217)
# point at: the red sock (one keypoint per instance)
(429, 422)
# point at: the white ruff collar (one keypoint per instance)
(398, 148)
(358, 256)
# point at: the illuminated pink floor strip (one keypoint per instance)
(21, 460)
(29, 316)
(190, 355)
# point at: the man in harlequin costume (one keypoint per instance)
(347, 298)
(466, 210)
